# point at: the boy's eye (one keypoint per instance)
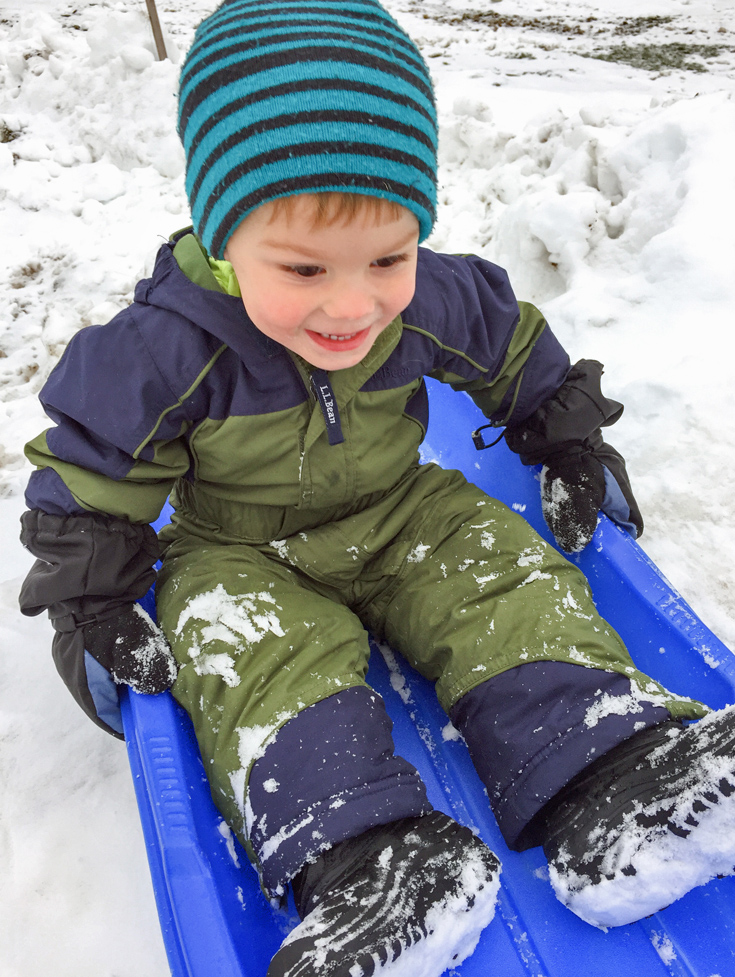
(305, 271)
(391, 260)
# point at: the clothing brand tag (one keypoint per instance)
(328, 403)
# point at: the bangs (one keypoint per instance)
(337, 207)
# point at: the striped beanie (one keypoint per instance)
(281, 97)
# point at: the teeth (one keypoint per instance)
(339, 338)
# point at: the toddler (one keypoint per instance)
(269, 377)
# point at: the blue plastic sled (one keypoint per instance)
(215, 921)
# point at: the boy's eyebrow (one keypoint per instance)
(316, 254)
(285, 246)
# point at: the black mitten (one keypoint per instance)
(133, 650)
(572, 494)
(581, 474)
(90, 569)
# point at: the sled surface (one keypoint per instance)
(214, 920)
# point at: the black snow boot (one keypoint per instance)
(644, 823)
(413, 895)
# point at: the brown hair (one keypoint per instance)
(337, 207)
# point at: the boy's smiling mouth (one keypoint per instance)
(345, 341)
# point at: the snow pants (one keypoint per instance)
(270, 636)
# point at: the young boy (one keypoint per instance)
(270, 377)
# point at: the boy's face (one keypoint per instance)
(326, 292)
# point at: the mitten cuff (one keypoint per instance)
(88, 565)
(572, 417)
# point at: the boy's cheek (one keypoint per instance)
(275, 316)
(404, 293)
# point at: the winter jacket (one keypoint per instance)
(182, 392)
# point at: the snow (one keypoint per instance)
(240, 621)
(153, 658)
(622, 705)
(663, 946)
(227, 833)
(418, 553)
(607, 191)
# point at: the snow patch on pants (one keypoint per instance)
(240, 620)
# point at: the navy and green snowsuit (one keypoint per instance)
(303, 517)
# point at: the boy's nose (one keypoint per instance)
(349, 301)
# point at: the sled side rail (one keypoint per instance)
(214, 919)
(195, 930)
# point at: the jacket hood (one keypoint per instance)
(196, 295)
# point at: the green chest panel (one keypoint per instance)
(254, 458)
(285, 459)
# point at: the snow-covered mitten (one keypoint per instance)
(133, 650)
(645, 823)
(409, 898)
(128, 649)
(90, 568)
(581, 474)
(572, 493)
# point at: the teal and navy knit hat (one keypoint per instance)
(280, 97)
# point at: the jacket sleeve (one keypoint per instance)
(118, 443)
(103, 473)
(486, 343)
(505, 356)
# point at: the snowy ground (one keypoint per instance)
(586, 146)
